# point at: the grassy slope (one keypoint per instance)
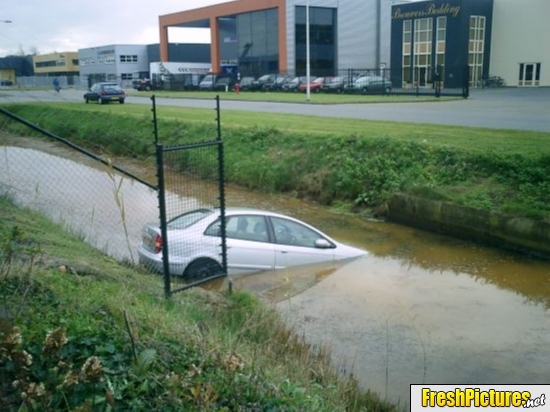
(198, 351)
(333, 160)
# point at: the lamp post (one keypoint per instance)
(308, 68)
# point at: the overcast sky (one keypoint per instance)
(68, 25)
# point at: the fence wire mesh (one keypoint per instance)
(99, 179)
(191, 180)
(83, 189)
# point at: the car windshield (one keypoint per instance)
(337, 80)
(264, 77)
(319, 80)
(208, 78)
(188, 219)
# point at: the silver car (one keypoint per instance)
(372, 84)
(257, 240)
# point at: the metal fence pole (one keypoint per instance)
(155, 123)
(221, 182)
(162, 216)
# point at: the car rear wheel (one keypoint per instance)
(121, 101)
(388, 90)
(202, 269)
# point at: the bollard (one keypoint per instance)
(237, 88)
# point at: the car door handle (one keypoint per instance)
(284, 251)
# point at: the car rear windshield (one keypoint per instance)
(188, 219)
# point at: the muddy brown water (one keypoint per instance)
(419, 308)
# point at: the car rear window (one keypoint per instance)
(188, 219)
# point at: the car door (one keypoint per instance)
(295, 244)
(248, 245)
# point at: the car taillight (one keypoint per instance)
(158, 244)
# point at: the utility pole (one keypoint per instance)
(308, 68)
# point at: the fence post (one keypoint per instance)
(466, 84)
(162, 216)
(221, 182)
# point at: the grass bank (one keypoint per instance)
(315, 98)
(80, 332)
(334, 161)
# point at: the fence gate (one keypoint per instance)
(190, 189)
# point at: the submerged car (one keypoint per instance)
(257, 240)
(104, 93)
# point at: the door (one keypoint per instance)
(529, 74)
(295, 244)
(248, 246)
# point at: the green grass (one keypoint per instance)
(523, 143)
(359, 162)
(315, 98)
(67, 305)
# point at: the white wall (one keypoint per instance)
(521, 34)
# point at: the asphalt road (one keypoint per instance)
(508, 108)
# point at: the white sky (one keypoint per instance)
(68, 25)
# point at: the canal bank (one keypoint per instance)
(418, 308)
(519, 234)
(486, 185)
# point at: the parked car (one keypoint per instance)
(246, 82)
(224, 83)
(336, 84)
(262, 82)
(105, 92)
(315, 85)
(278, 84)
(256, 240)
(208, 82)
(6, 82)
(372, 84)
(294, 84)
(143, 84)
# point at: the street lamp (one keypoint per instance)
(308, 68)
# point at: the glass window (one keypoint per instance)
(188, 219)
(244, 227)
(288, 232)
(322, 40)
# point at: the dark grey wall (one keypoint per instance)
(179, 52)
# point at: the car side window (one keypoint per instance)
(245, 227)
(288, 232)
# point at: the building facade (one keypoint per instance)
(56, 64)
(520, 50)
(417, 43)
(441, 40)
(12, 67)
(267, 36)
(116, 62)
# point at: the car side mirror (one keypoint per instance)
(322, 244)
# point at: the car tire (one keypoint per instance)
(86, 100)
(148, 88)
(121, 101)
(100, 100)
(201, 269)
(364, 90)
(388, 90)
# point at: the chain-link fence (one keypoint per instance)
(104, 182)
(86, 193)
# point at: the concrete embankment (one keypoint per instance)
(516, 233)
